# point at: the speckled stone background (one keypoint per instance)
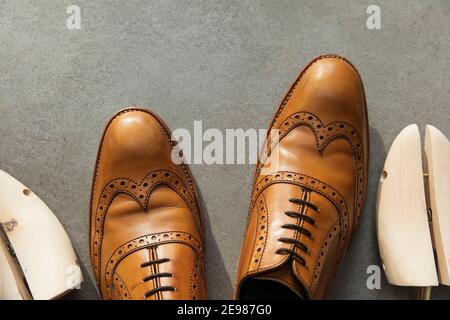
(226, 63)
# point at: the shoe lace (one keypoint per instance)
(301, 229)
(155, 276)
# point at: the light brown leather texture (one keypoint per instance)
(305, 209)
(146, 238)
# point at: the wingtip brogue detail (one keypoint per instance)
(150, 241)
(194, 288)
(119, 288)
(324, 134)
(305, 209)
(146, 237)
(307, 184)
(140, 192)
(261, 236)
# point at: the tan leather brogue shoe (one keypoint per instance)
(146, 238)
(305, 208)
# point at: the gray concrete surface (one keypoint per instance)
(224, 62)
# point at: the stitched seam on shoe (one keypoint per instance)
(345, 131)
(127, 250)
(280, 108)
(120, 113)
(125, 190)
(263, 247)
(322, 145)
(125, 288)
(341, 214)
(194, 293)
(99, 159)
(326, 252)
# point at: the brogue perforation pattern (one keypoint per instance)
(326, 244)
(324, 134)
(262, 217)
(195, 283)
(149, 241)
(140, 192)
(121, 288)
(313, 184)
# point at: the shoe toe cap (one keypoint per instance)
(333, 90)
(135, 142)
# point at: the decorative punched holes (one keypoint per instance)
(261, 235)
(328, 240)
(195, 282)
(121, 288)
(140, 192)
(325, 134)
(311, 183)
(305, 181)
(148, 241)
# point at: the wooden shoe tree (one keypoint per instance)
(37, 260)
(437, 164)
(413, 211)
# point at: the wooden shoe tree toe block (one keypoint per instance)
(37, 260)
(437, 164)
(413, 210)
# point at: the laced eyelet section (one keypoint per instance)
(300, 229)
(155, 276)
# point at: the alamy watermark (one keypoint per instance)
(374, 279)
(234, 146)
(73, 21)
(74, 277)
(373, 22)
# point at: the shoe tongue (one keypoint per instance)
(285, 276)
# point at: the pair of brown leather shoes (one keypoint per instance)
(146, 238)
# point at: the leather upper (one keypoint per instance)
(322, 154)
(146, 236)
